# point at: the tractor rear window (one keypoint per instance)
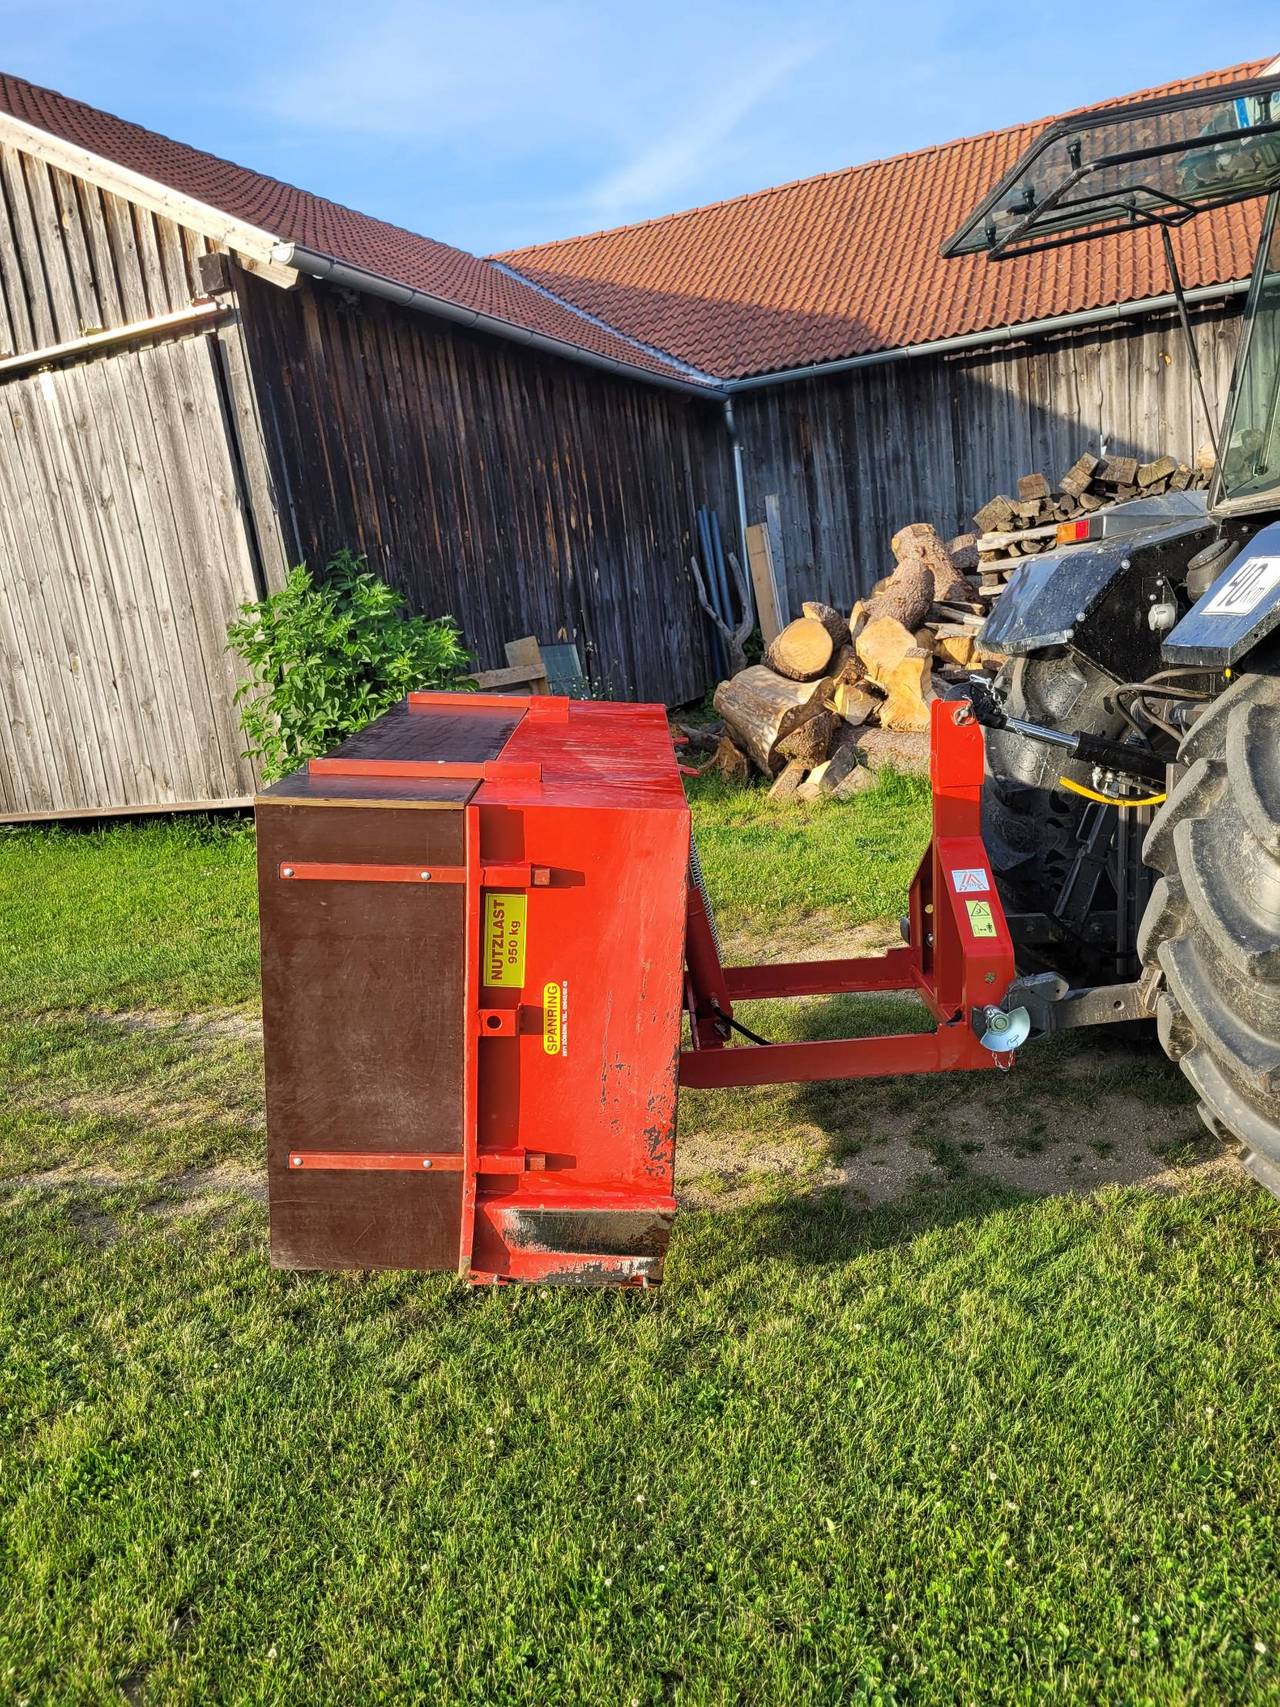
(1250, 452)
(1152, 162)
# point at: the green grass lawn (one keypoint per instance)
(969, 1445)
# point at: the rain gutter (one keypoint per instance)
(317, 265)
(995, 335)
(320, 266)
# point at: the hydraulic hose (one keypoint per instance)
(1108, 799)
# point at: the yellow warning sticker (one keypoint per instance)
(552, 1018)
(505, 917)
(981, 922)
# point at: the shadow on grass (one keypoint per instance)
(828, 1227)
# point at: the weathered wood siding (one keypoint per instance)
(855, 456)
(74, 258)
(518, 493)
(135, 511)
(124, 553)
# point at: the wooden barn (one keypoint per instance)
(207, 375)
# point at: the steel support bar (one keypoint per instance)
(899, 969)
(415, 1161)
(381, 1161)
(951, 1048)
(518, 876)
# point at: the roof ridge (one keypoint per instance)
(586, 237)
(701, 374)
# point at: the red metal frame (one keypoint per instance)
(514, 1161)
(958, 957)
(543, 707)
(471, 1057)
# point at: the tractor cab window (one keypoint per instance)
(1147, 163)
(1250, 448)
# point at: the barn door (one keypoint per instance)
(125, 550)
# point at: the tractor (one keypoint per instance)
(1131, 808)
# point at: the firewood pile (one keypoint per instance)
(834, 694)
(1012, 527)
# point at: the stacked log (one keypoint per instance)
(810, 716)
(1011, 526)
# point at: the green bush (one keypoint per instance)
(328, 655)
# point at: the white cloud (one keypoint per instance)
(682, 156)
(497, 74)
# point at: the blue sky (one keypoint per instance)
(496, 123)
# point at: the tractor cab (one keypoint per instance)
(1118, 169)
(1158, 164)
(1248, 477)
(1158, 652)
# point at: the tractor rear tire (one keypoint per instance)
(1212, 926)
(1029, 824)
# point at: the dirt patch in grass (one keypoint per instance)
(155, 1109)
(1114, 1140)
(730, 1169)
(1060, 1122)
(220, 1025)
(171, 1198)
(226, 1178)
(823, 935)
(1021, 1133)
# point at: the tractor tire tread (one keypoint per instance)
(1212, 926)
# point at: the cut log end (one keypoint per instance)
(788, 780)
(836, 625)
(730, 762)
(809, 742)
(802, 651)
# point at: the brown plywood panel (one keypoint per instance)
(456, 734)
(363, 1019)
(461, 734)
(370, 1220)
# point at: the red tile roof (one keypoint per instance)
(847, 263)
(295, 216)
(838, 265)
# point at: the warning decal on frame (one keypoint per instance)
(503, 946)
(981, 922)
(552, 1018)
(970, 880)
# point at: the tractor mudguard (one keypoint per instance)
(1095, 597)
(1238, 610)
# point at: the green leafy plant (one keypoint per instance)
(327, 655)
